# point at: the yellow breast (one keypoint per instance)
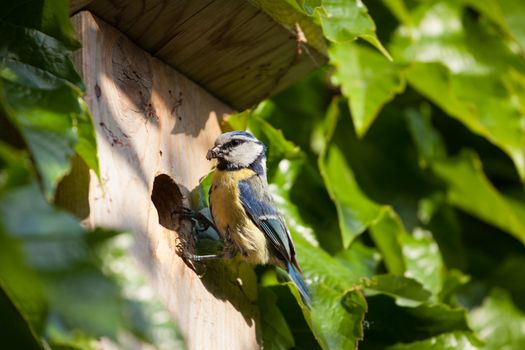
(231, 219)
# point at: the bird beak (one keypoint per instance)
(215, 152)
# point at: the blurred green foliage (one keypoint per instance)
(399, 168)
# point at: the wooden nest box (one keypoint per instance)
(160, 76)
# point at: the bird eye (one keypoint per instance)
(235, 143)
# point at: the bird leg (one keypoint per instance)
(201, 258)
(200, 223)
(199, 220)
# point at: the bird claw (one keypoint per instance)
(200, 222)
(184, 212)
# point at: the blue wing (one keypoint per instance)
(258, 204)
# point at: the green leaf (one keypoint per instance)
(83, 298)
(337, 306)
(415, 256)
(504, 277)
(498, 322)
(328, 281)
(423, 259)
(40, 94)
(293, 17)
(453, 280)
(445, 341)
(21, 290)
(467, 70)
(305, 6)
(467, 186)
(428, 141)
(359, 258)
(390, 323)
(56, 22)
(355, 211)
(331, 272)
(438, 216)
(281, 187)
(86, 146)
(345, 21)
(145, 317)
(406, 291)
(513, 11)
(338, 317)
(385, 163)
(60, 251)
(298, 321)
(478, 104)
(238, 121)
(278, 146)
(276, 334)
(507, 14)
(34, 59)
(27, 215)
(43, 118)
(385, 233)
(300, 122)
(16, 332)
(399, 9)
(470, 190)
(367, 79)
(14, 167)
(21, 286)
(48, 16)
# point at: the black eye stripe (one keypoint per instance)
(234, 142)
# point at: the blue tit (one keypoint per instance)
(243, 209)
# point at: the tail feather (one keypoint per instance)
(297, 279)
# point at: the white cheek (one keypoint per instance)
(246, 154)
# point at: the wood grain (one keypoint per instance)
(232, 48)
(77, 5)
(153, 128)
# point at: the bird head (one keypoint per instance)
(237, 150)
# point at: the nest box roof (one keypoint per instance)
(241, 51)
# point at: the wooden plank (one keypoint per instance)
(219, 43)
(153, 128)
(77, 5)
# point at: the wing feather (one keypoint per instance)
(258, 205)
